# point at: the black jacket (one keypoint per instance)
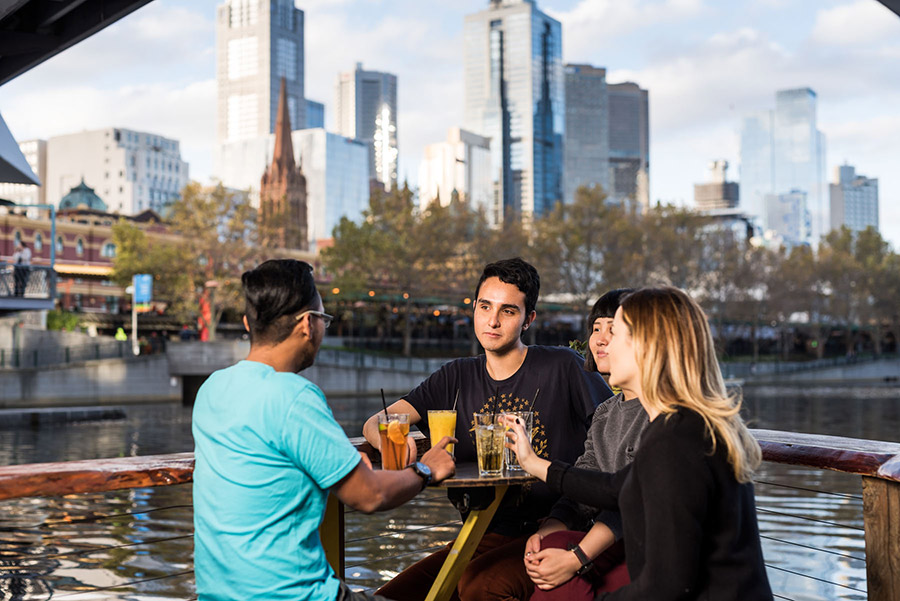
(690, 528)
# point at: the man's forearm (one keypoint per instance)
(370, 432)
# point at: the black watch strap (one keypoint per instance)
(423, 471)
(586, 564)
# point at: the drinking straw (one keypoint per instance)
(534, 400)
(456, 399)
(384, 403)
(496, 401)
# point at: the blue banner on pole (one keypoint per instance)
(143, 288)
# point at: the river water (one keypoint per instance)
(137, 544)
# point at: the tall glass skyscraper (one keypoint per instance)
(366, 109)
(515, 95)
(629, 143)
(587, 129)
(258, 42)
(782, 152)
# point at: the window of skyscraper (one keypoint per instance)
(243, 57)
(286, 59)
(244, 12)
(242, 115)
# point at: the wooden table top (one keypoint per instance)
(467, 477)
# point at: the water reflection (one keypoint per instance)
(137, 544)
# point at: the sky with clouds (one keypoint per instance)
(706, 64)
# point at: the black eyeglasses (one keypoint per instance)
(326, 318)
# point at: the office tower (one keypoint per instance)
(131, 171)
(282, 190)
(757, 174)
(366, 109)
(783, 151)
(799, 154)
(257, 44)
(629, 143)
(718, 193)
(462, 165)
(515, 95)
(35, 153)
(788, 216)
(337, 179)
(587, 129)
(854, 200)
(315, 114)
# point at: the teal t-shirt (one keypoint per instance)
(267, 450)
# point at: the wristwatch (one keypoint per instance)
(586, 564)
(423, 471)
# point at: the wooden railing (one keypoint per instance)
(878, 463)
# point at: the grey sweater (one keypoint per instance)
(610, 445)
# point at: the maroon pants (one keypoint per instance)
(495, 573)
(609, 571)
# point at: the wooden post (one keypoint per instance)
(881, 512)
(331, 532)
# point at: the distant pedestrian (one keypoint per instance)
(121, 336)
(21, 267)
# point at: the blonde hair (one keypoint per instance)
(677, 360)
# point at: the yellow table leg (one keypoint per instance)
(463, 548)
(331, 532)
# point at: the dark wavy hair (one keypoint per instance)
(605, 306)
(275, 292)
(517, 272)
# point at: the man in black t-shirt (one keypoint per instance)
(505, 378)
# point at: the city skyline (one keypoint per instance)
(705, 67)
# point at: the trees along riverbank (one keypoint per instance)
(794, 300)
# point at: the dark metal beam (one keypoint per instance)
(892, 5)
(47, 27)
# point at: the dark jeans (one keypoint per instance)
(20, 275)
(609, 571)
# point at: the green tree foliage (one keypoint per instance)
(166, 262)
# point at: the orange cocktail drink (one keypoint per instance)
(442, 423)
(393, 429)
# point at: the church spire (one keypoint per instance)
(284, 149)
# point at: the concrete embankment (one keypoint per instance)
(176, 375)
(101, 382)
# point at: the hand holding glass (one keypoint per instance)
(527, 417)
(518, 440)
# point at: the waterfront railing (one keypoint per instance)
(877, 463)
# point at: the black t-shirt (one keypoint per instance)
(567, 400)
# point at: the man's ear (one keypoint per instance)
(529, 320)
(301, 328)
(246, 325)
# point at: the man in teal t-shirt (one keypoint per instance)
(268, 450)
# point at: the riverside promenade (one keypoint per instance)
(111, 376)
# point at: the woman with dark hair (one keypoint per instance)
(688, 512)
(578, 552)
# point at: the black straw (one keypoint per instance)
(534, 400)
(384, 403)
(496, 401)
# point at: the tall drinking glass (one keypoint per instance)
(442, 423)
(527, 417)
(393, 429)
(490, 435)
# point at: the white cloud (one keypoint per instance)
(864, 22)
(593, 21)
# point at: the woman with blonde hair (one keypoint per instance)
(687, 506)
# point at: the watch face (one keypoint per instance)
(423, 470)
